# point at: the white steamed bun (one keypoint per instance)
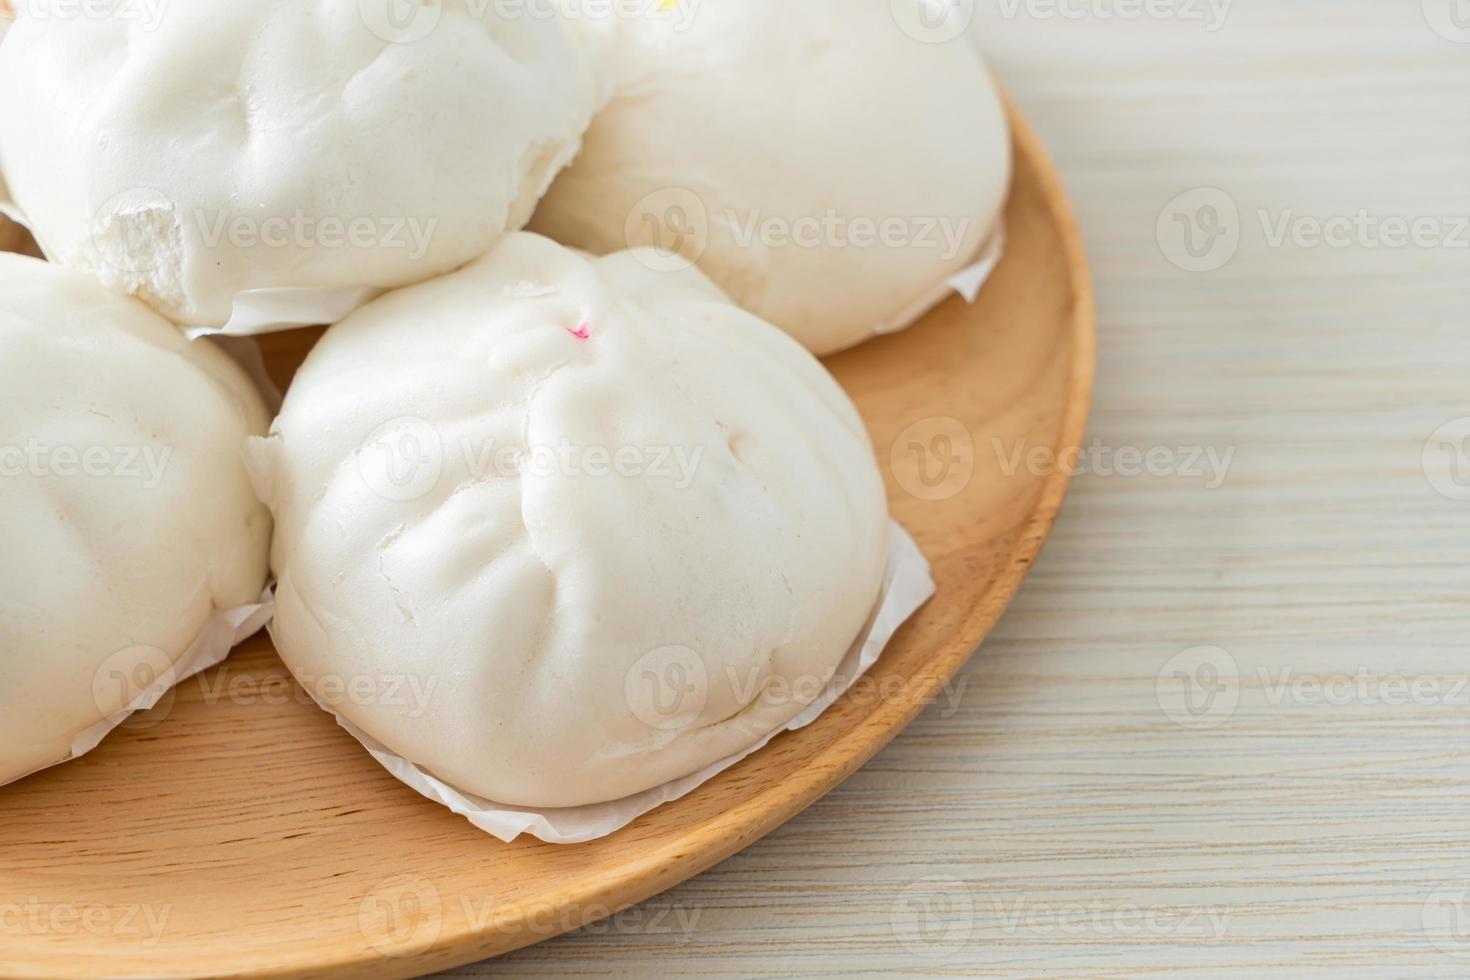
(125, 508)
(559, 530)
(190, 151)
(828, 163)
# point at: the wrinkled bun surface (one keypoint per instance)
(125, 508)
(188, 151)
(571, 527)
(824, 166)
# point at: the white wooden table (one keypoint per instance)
(1224, 727)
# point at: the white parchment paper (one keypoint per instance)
(907, 585)
(967, 282)
(222, 633)
(258, 311)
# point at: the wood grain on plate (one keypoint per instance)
(235, 829)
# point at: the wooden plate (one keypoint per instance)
(234, 829)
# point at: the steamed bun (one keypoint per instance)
(284, 144)
(125, 509)
(559, 530)
(828, 163)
